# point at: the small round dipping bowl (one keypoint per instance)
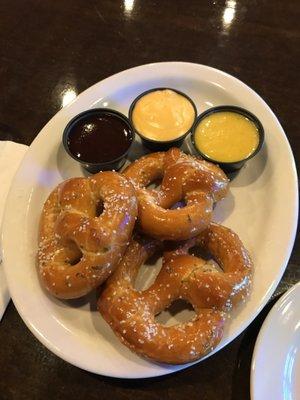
(161, 145)
(231, 166)
(107, 149)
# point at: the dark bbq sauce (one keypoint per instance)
(99, 138)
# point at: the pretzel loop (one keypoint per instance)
(184, 178)
(211, 291)
(78, 249)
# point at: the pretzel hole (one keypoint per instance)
(74, 253)
(179, 312)
(200, 252)
(156, 184)
(99, 208)
(75, 259)
(179, 204)
(148, 271)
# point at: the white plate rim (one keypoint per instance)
(293, 229)
(258, 348)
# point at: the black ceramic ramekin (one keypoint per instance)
(236, 165)
(114, 164)
(157, 145)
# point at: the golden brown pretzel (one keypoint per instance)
(184, 177)
(78, 250)
(131, 313)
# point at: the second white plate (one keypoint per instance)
(275, 371)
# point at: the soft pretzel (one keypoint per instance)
(78, 250)
(184, 177)
(212, 292)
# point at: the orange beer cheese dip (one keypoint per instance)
(163, 115)
(226, 136)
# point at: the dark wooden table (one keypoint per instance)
(48, 47)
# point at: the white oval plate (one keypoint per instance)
(262, 208)
(275, 370)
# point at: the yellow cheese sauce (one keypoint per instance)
(226, 136)
(163, 115)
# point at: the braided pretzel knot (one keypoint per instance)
(131, 313)
(196, 181)
(77, 249)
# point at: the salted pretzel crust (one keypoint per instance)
(184, 178)
(78, 250)
(211, 291)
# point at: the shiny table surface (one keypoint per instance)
(53, 50)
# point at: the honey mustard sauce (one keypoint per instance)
(226, 136)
